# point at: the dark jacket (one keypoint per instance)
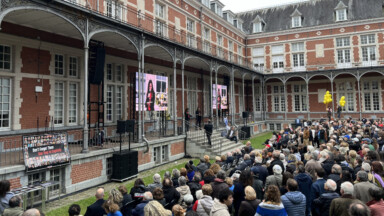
(201, 167)
(340, 206)
(273, 163)
(126, 209)
(317, 189)
(258, 187)
(262, 171)
(175, 182)
(304, 181)
(217, 186)
(327, 166)
(139, 210)
(322, 204)
(96, 209)
(208, 179)
(170, 193)
(238, 196)
(194, 186)
(248, 207)
(138, 192)
(336, 178)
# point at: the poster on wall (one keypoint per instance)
(45, 150)
(219, 97)
(154, 92)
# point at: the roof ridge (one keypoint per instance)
(280, 6)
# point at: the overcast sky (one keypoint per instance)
(245, 5)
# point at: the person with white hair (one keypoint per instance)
(156, 182)
(322, 204)
(340, 206)
(276, 178)
(139, 210)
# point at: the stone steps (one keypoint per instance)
(198, 144)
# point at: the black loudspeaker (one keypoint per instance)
(121, 127)
(247, 131)
(130, 126)
(125, 165)
(96, 76)
(226, 80)
(245, 114)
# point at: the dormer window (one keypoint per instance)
(341, 12)
(296, 19)
(258, 24)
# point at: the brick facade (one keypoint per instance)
(86, 171)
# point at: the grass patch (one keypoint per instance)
(258, 140)
(89, 201)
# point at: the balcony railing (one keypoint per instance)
(151, 25)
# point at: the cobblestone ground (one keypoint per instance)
(107, 186)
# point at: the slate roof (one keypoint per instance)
(314, 13)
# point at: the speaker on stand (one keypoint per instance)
(245, 117)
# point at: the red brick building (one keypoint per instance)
(277, 64)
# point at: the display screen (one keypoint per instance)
(45, 150)
(219, 97)
(154, 92)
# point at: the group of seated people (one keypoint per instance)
(340, 173)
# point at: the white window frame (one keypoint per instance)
(191, 42)
(298, 56)
(206, 3)
(341, 15)
(278, 98)
(73, 108)
(299, 97)
(109, 106)
(346, 88)
(3, 60)
(206, 34)
(296, 22)
(160, 10)
(369, 54)
(4, 94)
(257, 27)
(190, 25)
(370, 91)
(59, 102)
(73, 66)
(160, 28)
(59, 65)
(278, 58)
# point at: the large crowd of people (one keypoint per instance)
(319, 168)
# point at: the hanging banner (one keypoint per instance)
(45, 150)
(154, 91)
(219, 97)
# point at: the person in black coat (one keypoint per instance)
(322, 204)
(195, 185)
(276, 161)
(138, 190)
(260, 170)
(208, 131)
(171, 195)
(96, 209)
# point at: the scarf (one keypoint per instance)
(378, 177)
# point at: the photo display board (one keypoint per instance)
(219, 96)
(45, 150)
(154, 92)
